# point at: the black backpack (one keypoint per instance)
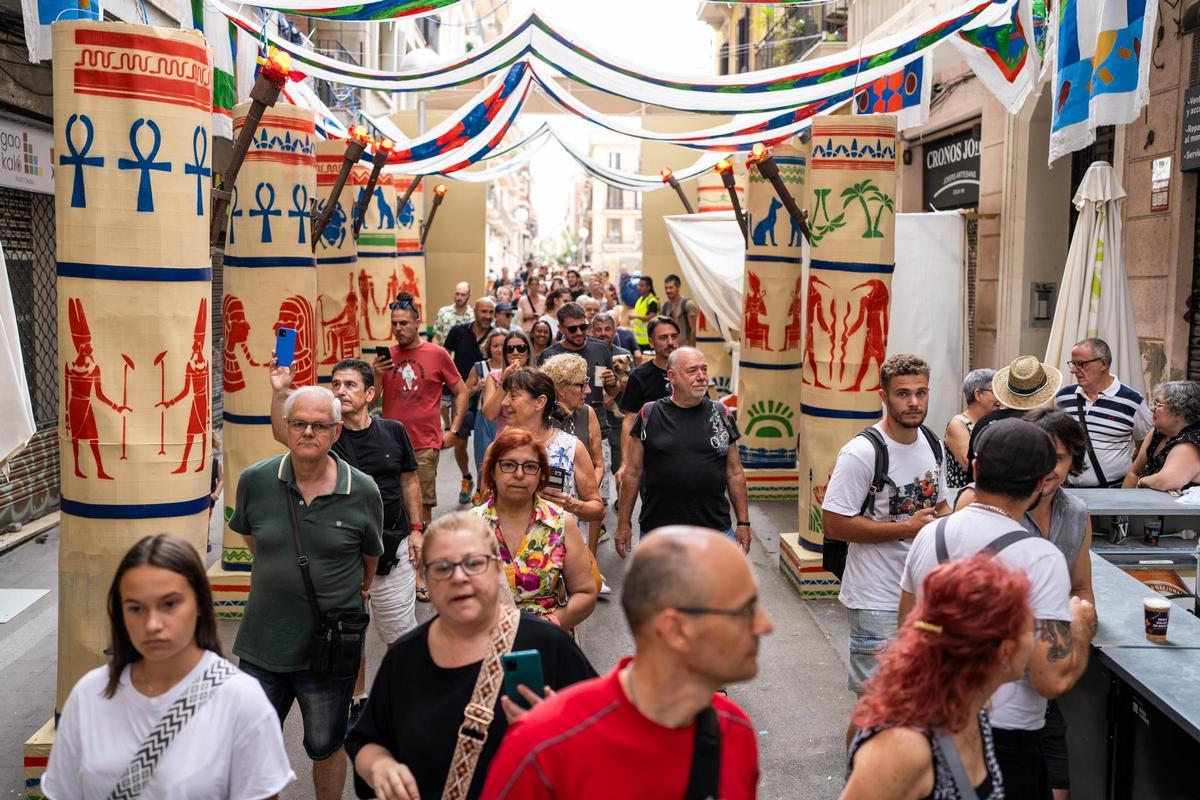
(833, 553)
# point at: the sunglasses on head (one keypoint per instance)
(397, 305)
(516, 348)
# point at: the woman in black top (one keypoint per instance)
(404, 741)
(1160, 464)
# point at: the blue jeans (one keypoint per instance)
(870, 630)
(324, 705)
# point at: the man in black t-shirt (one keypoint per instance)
(689, 435)
(465, 342)
(649, 381)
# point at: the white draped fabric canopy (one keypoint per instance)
(15, 407)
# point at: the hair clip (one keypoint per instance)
(928, 627)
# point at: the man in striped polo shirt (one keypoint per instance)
(1115, 416)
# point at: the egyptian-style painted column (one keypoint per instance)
(712, 194)
(132, 129)
(851, 186)
(337, 313)
(376, 249)
(769, 360)
(714, 197)
(270, 283)
(410, 256)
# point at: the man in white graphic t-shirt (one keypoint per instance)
(879, 538)
(1013, 466)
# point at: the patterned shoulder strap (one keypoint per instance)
(478, 715)
(140, 772)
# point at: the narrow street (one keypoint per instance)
(799, 702)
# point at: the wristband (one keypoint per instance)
(743, 524)
(416, 527)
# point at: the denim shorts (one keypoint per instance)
(324, 705)
(870, 630)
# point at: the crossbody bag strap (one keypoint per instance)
(140, 771)
(302, 559)
(963, 785)
(943, 555)
(478, 715)
(1087, 438)
(705, 775)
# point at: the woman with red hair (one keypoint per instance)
(923, 730)
(540, 544)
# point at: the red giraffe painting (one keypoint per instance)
(755, 332)
(339, 336)
(873, 309)
(195, 383)
(816, 319)
(81, 381)
(237, 336)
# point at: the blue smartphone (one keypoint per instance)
(285, 347)
(523, 667)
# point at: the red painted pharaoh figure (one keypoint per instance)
(791, 333)
(237, 334)
(82, 378)
(816, 316)
(366, 292)
(196, 383)
(873, 309)
(296, 313)
(755, 333)
(409, 285)
(339, 336)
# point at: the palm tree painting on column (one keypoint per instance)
(862, 193)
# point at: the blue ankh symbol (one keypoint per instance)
(144, 163)
(300, 210)
(79, 160)
(265, 210)
(234, 212)
(199, 137)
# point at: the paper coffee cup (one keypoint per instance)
(1158, 612)
(598, 376)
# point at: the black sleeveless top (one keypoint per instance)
(1156, 460)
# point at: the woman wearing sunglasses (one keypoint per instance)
(539, 544)
(404, 743)
(517, 353)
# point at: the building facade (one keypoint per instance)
(615, 226)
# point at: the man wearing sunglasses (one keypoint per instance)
(1114, 416)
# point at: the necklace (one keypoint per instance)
(993, 509)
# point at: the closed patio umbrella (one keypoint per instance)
(16, 412)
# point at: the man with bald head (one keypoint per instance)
(691, 602)
(456, 313)
(684, 434)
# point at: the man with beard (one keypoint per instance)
(880, 528)
(689, 435)
(649, 381)
(1014, 466)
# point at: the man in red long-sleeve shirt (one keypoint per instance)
(692, 604)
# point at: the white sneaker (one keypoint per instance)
(605, 589)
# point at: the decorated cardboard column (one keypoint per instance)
(714, 197)
(376, 248)
(270, 283)
(850, 202)
(769, 361)
(134, 280)
(410, 256)
(337, 313)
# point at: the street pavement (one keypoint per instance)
(799, 702)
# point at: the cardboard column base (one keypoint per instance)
(36, 756)
(772, 484)
(803, 570)
(229, 590)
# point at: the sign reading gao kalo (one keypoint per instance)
(951, 174)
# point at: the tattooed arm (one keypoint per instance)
(1060, 653)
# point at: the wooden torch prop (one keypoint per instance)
(273, 74)
(724, 168)
(668, 177)
(383, 150)
(760, 156)
(439, 194)
(355, 146)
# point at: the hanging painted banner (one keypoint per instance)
(384, 10)
(1006, 56)
(377, 265)
(905, 94)
(221, 35)
(769, 362)
(336, 312)
(134, 281)
(270, 284)
(1101, 68)
(39, 15)
(851, 191)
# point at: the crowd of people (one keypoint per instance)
(964, 569)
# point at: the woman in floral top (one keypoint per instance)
(539, 542)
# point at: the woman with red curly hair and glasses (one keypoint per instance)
(540, 544)
(923, 729)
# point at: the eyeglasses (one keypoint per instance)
(746, 612)
(583, 387)
(1155, 404)
(508, 466)
(397, 305)
(516, 348)
(471, 565)
(1082, 364)
(575, 328)
(299, 426)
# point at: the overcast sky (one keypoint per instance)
(657, 35)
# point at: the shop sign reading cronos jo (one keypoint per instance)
(951, 171)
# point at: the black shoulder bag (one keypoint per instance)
(705, 775)
(337, 643)
(993, 549)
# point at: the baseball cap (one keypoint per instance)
(1014, 451)
(504, 308)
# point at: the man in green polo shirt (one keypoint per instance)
(341, 519)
